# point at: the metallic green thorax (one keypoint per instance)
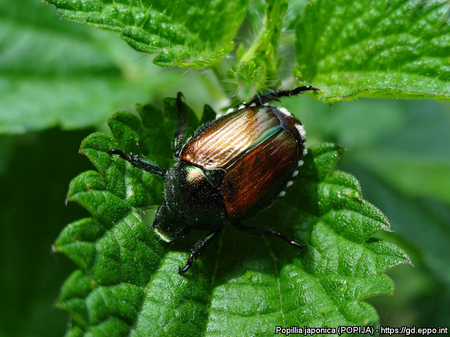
(193, 201)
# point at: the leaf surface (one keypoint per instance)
(127, 282)
(361, 48)
(182, 33)
(257, 68)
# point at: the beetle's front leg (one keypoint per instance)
(274, 95)
(139, 162)
(269, 231)
(199, 248)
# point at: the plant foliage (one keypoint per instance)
(127, 282)
(184, 33)
(396, 49)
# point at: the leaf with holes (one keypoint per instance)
(361, 48)
(128, 283)
(181, 33)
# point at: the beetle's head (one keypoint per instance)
(167, 226)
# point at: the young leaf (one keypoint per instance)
(396, 49)
(258, 66)
(128, 282)
(182, 33)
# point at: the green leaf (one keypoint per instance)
(434, 175)
(182, 33)
(56, 73)
(257, 68)
(393, 139)
(414, 158)
(32, 213)
(360, 48)
(128, 282)
(412, 216)
(294, 14)
(399, 151)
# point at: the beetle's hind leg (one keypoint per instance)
(276, 94)
(139, 162)
(268, 231)
(199, 248)
(180, 132)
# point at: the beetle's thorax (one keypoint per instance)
(192, 198)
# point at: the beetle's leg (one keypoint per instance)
(199, 248)
(181, 130)
(139, 162)
(274, 95)
(269, 231)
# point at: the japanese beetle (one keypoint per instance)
(230, 169)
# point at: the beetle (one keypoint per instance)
(228, 170)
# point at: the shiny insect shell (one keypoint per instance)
(230, 169)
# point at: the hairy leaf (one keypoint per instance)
(396, 49)
(128, 285)
(182, 33)
(422, 222)
(257, 68)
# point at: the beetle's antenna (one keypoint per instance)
(139, 162)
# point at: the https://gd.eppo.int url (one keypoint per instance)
(361, 330)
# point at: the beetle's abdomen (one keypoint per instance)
(255, 180)
(259, 149)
